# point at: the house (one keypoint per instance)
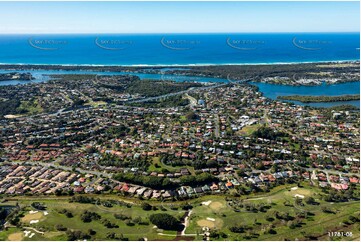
(190, 191)
(118, 187)
(141, 191)
(166, 195)
(236, 183)
(198, 190)
(184, 171)
(148, 193)
(354, 180)
(125, 187)
(89, 189)
(339, 186)
(182, 192)
(156, 194)
(132, 190)
(100, 188)
(79, 189)
(206, 188)
(229, 185)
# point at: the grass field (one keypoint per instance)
(35, 216)
(248, 130)
(16, 236)
(320, 223)
(158, 166)
(211, 210)
(48, 222)
(12, 232)
(31, 107)
(95, 103)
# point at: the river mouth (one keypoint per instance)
(271, 91)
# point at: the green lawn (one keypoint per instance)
(48, 222)
(5, 233)
(31, 107)
(318, 224)
(248, 130)
(219, 215)
(158, 166)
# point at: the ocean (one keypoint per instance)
(178, 49)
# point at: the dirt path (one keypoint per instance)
(186, 222)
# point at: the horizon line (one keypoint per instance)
(146, 33)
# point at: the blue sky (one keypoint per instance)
(178, 17)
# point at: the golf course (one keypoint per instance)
(286, 212)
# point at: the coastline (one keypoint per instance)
(180, 65)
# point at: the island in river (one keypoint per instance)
(317, 99)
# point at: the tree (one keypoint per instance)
(60, 227)
(76, 235)
(87, 216)
(267, 133)
(146, 206)
(186, 206)
(214, 234)
(310, 200)
(191, 116)
(38, 205)
(3, 213)
(237, 229)
(164, 221)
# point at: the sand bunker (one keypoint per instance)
(27, 232)
(301, 191)
(211, 219)
(206, 203)
(33, 212)
(294, 188)
(299, 196)
(34, 221)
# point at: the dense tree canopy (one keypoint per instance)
(164, 221)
